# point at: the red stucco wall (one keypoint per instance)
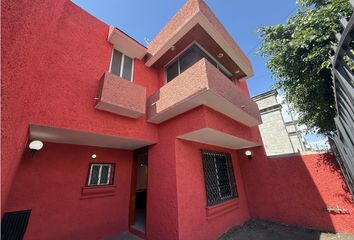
(296, 190)
(53, 55)
(176, 191)
(194, 220)
(50, 183)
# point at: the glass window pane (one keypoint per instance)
(127, 68)
(207, 57)
(211, 179)
(223, 176)
(172, 71)
(116, 62)
(219, 178)
(95, 169)
(105, 174)
(188, 58)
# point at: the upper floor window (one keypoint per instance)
(219, 177)
(100, 174)
(187, 59)
(121, 65)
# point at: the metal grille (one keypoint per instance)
(342, 141)
(348, 177)
(14, 224)
(219, 177)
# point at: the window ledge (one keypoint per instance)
(97, 191)
(218, 210)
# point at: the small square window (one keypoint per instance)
(121, 65)
(219, 177)
(101, 174)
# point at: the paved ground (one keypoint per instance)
(125, 236)
(264, 230)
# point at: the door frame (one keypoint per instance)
(132, 206)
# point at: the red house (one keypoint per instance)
(149, 140)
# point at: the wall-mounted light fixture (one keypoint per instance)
(248, 154)
(34, 146)
(93, 156)
(220, 55)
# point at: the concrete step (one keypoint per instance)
(125, 236)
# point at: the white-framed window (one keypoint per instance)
(121, 65)
(100, 174)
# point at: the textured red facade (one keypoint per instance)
(60, 208)
(54, 55)
(297, 190)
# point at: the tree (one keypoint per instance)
(298, 56)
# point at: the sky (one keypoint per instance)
(143, 19)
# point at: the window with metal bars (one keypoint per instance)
(219, 177)
(100, 174)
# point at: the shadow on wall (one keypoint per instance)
(302, 190)
(328, 160)
(52, 185)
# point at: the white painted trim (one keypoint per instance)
(99, 175)
(110, 64)
(100, 165)
(109, 174)
(132, 73)
(89, 180)
(122, 65)
(179, 67)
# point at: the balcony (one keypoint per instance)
(202, 84)
(121, 97)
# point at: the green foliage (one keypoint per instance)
(298, 56)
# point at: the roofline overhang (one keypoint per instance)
(125, 44)
(202, 20)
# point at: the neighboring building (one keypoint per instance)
(279, 137)
(147, 140)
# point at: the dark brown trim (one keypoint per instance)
(132, 207)
(132, 191)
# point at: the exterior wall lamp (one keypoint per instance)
(248, 154)
(35, 146)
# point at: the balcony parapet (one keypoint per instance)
(121, 97)
(202, 84)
